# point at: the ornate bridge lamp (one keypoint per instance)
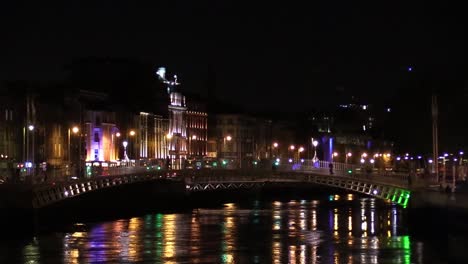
(315, 144)
(125, 144)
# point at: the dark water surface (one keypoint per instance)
(337, 229)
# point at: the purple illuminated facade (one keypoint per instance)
(101, 136)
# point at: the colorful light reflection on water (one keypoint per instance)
(292, 231)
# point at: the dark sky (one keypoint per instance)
(270, 56)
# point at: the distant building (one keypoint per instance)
(349, 130)
(197, 128)
(10, 128)
(152, 136)
(101, 136)
(242, 141)
(197, 133)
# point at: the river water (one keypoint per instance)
(341, 228)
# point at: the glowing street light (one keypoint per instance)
(299, 150)
(292, 147)
(117, 134)
(315, 144)
(228, 138)
(275, 145)
(74, 130)
(125, 144)
(364, 155)
(168, 136)
(132, 133)
(31, 127)
(348, 155)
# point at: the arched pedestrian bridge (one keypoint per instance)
(393, 189)
(388, 186)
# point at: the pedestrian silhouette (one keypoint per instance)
(330, 166)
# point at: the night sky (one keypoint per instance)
(276, 56)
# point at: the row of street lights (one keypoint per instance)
(300, 149)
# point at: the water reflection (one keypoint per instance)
(338, 230)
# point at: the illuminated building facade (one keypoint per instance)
(177, 136)
(197, 133)
(100, 136)
(151, 136)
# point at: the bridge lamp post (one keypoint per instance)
(315, 144)
(125, 144)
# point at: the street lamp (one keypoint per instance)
(334, 155)
(132, 133)
(191, 146)
(275, 149)
(315, 144)
(75, 130)
(30, 156)
(223, 149)
(299, 150)
(125, 144)
(348, 155)
(292, 148)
